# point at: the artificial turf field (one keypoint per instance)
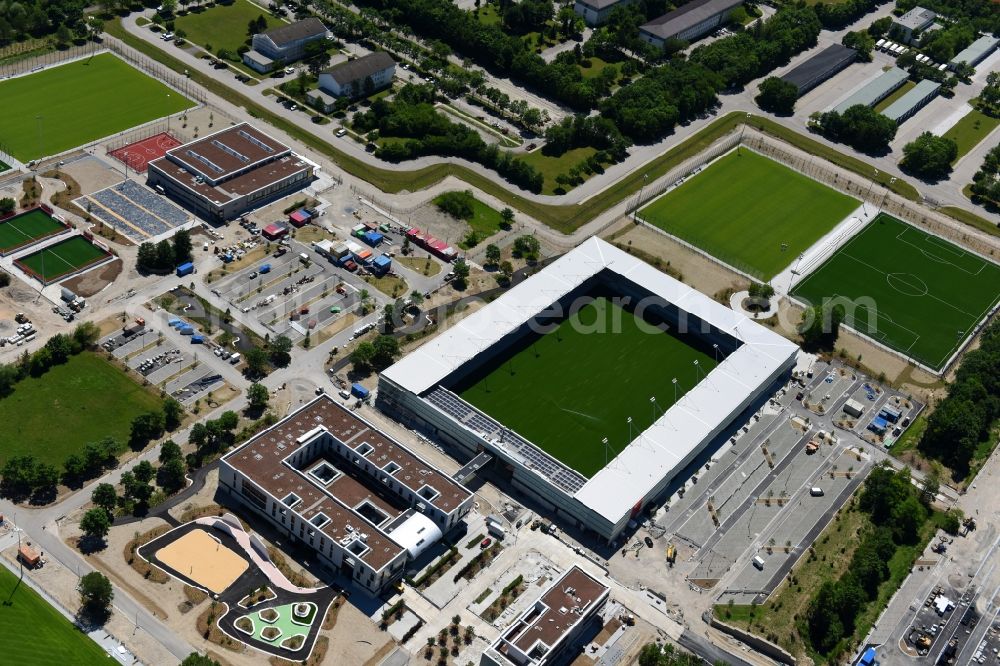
(61, 258)
(576, 385)
(744, 207)
(83, 400)
(36, 634)
(927, 293)
(26, 228)
(78, 103)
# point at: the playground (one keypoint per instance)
(138, 154)
(570, 388)
(203, 559)
(749, 212)
(909, 290)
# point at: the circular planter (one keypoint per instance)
(302, 610)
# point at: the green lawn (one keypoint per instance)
(485, 221)
(896, 94)
(74, 104)
(597, 66)
(81, 401)
(750, 212)
(61, 258)
(36, 634)
(553, 166)
(970, 130)
(924, 294)
(25, 228)
(4, 166)
(567, 390)
(222, 26)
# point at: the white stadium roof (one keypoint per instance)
(674, 438)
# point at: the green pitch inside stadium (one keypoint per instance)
(569, 388)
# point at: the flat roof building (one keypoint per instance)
(334, 484)
(596, 12)
(818, 68)
(913, 22)
(540, 634)
(914, 100)
(976, 52)
(225, 174)
(875, 90)
(688, 22)
(756, 359)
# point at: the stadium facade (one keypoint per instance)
(334, 484)
(755, 361)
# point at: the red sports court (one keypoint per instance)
(137, 155)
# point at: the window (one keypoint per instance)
(254, 495)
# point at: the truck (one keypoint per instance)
(185, 269)
(264, 268)
(496, 530)
(197, 339)
(235, 358)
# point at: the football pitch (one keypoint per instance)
(750, 212)
(61, 258)
(911, 291)
(34, 633)
(567, 390)
(26, 228)
(71, 105)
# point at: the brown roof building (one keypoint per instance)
(225, 174)
(364, 503)
(551, 624)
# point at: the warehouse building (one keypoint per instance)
(912, 23)
(541, 633)
(688, 22)
(875, 90)
(818, 68)
(230, 172)
(976, 52)
(283, 45)
(914, 100)
(364, 504)
(596, 12)
(417, 389)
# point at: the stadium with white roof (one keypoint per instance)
(755, 361)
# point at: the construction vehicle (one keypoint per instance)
(671, 554)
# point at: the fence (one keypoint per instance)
(37, 63)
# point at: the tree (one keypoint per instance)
(317, 57)
(86, 335)
(506, 218)
(145, 427)
(105, 496)
(821, 326)
(96, 595)
(182, 246)
(63, 35)
(929, 156)
(461, 270)
(173, 413)
(164, 255)
(170, 475)
(362, 357)
(257, 362)
(280, 349)
(777, 96)
(257, 396)
(7, 205)
(492, 255)
(95, 524)
(18, 477)
(859, 126)
(144, 471)
(862, 42)
(195, 659)
(169, 450)
(526, 247)
(506, 273)
(146, 258)
(385, 351)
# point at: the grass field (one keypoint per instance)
(567, 390)
(26, 228)
(35, 634)
(551, 166)
(970, 130)
(485, 220)
(925, 293)
(223, 26)
(71, 105)
(896, 94)
(61, 258)
(81, 401)
(750, 212)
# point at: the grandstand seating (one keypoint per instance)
(142, 208)
(561, 476)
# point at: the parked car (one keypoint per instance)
(485, 543)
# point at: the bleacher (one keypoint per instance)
(531, 456)
(147, 214)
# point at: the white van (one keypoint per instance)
(816, 491)
(341, 132)
(758, 562)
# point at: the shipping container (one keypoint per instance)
(185, 269)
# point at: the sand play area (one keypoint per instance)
(203, 559)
